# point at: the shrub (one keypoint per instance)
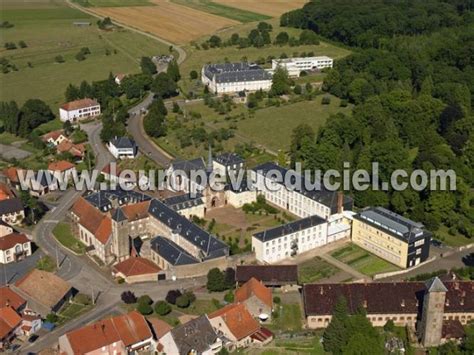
(144, 309)
(326, 100)
(276, 300)
(191, 296)
(229, 297)
(128, 297)
(183, 301)
(59, 59)
(343, 103)
(52, 318)
(193, 75)
(145, 299)
(172, 296)
(22, 44)
(389, 326)
(162, 308)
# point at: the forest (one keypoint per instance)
(411, 79)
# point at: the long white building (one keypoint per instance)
(79, 110)
(295, 66)
(326, 216)
(235, 77)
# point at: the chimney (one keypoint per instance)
(365, 304)
(340, 201)
(461, 302)
(321, 290)
(447, 302)
(402, 303)
(456, 285)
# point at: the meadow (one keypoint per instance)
(271, 8)
(47, 29)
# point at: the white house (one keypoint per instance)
(295, 66)
(79, 110)
(54, 138)
(14, 247)
(284, 241)
(122, 148)
(235, 77)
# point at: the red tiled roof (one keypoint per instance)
(10, 240)
(160, 327)
(93, 220)
(11, 173)
(452, 329)
(5, 192)
(53, 135)
(136, 266)
(107, 169)
(136, 211)
(75, 149)
(131, 328)
(61, 165)
(254, 287)
(238, 319)
(262, 334)
(8, 297)
(384, 297)
(78, 104)
(9, 320)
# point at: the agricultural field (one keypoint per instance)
(48, 31)
(114, 3)
(223, 9)
(271, 8)
(175, 23)
(362, 260)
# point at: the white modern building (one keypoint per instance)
(79, 110)
(123, 148)
(295, 66)
(235, 77)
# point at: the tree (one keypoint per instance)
(280, 82)
(193, 75)
(173, 70)
(215, 41)
(22, 44)
(335, 335)
(145, 299)
(164, 86)
(389, 326)
(172, 296)
(10, 114)
(234, 39)
(215, 280)
(162, 308)
(183, 301)
(297, 89)
(147, 66)
(144, 308)
(308, 37)
(229, 297)
(229, 277)
(72, 93)
(34, 112)
(128, 297)
(282, 38)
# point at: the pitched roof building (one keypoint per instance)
(256, 297)
(14, 247)
(10, 322)
(123, 334)
(269, 275)
(136, 269)
(9, 298)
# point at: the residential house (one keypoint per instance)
(256, 297)
(54, 138)
(5, 192)
(391, 236)
(62, 170)
(136, 269)
(10, 323)
(14, 247)
(269, 275)
(79, 110)
(44, 291)
(30, 323)
(9, 298)
(194, 337)
(12, 211)
(123, 148)
(78, 151)
(119, 78)
(124, 334)
(418, 305)
(235, 77)
(236, 323)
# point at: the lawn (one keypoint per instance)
(223, 10)
(314, 270)
(362, 260)
(62, 232)
(49, 32)
(456, 240)
(288, 318)
(79, 305)
(46, 263)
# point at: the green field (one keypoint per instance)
(48, 30)
(223, 10)
(362, 260)
(314, 270)
(114, 3)
(288, 318)
(62, 232)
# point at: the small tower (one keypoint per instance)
(432, 314)
(120, 235)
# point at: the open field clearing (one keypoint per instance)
(175, 23)
(221, 9)
(49, 32)
(114, 3)
(271, 8)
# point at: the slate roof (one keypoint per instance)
(171, 252)
(435, 285)
(229, 159)
(188, 165)
(235, 72)
(385, 297)
(268, 274)
(319, 194)
(184, 201)
(210, 246)
(123, 143)
(392, 223)
(289, 228)
(11, 205)
(102, 199)
(197, 335)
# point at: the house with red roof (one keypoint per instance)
(10, 323)
(14, 247)
(54, 138)
(238, 326)
(79, 110)
(256, 297)
(9, 298)
(136, 269)
(62, 170)
(123, 334)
